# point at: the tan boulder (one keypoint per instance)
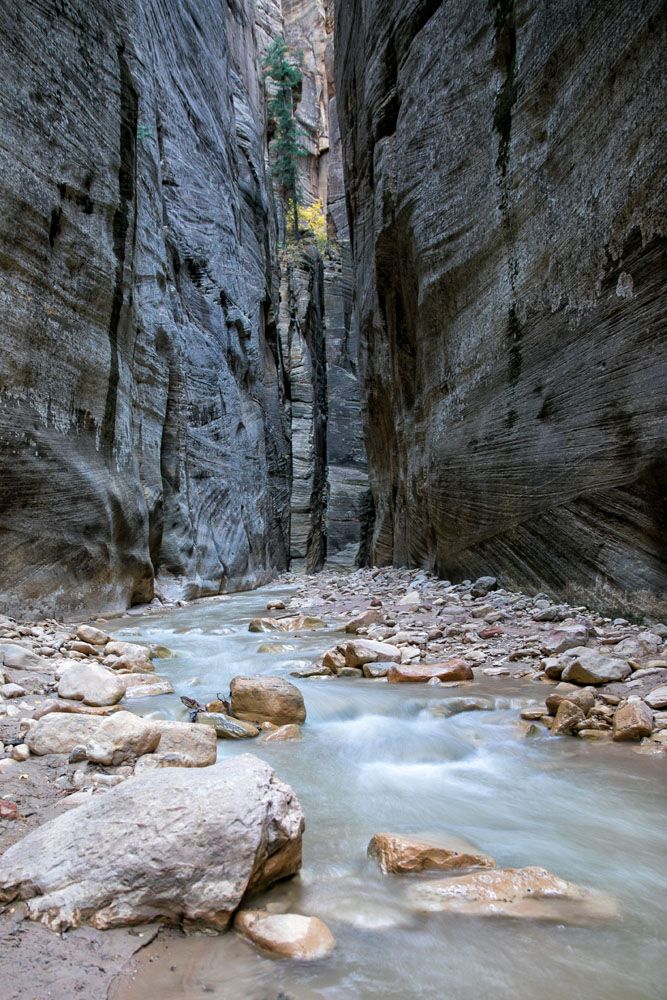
(94, 636)
(132, 649)
(83, 647)
(360, 651)
(286, 935)
(266, 699)
(583, 697)
(290, 732)
(291, 623)
(399, 853)
(568, 717)
(199, 743)
(145, 685)
(334, 660)
(130, 664)
(524, 893)
(121, 738)
(632, 721)
(371, 617)
(451, 670)
(90, 683)
(60, 732)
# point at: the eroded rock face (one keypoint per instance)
(207, 837)
(140, 363)
(508, 216)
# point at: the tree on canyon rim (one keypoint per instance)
(286, 78)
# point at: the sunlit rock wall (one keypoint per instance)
(505, 169)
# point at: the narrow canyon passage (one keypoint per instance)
(374, 757)
(333, 499)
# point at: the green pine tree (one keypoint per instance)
(287, 149)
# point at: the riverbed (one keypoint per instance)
(377, 757)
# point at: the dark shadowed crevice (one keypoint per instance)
(121, 221)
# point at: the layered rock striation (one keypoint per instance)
(142, 426)
(506, 190)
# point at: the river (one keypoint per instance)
(378, 757)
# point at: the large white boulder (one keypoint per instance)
(90, 683)
(176, 845)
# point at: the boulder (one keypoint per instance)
(411, 599)
(151, 761)
(130, 664)
(371, 617)
(291, 623)
(379, 669)
(12, 690)
(199, 743)
(227, 728)
(120, 738)
(91, 635)
(349, 672)
(14, 655)
(90, 683)
(525, 893)
(60, 732)
(484, 586)
(360, 651)
(588, 666)
(564, 638)
(333, 660)
(657, 698)
(568, 717)
(266, 699)
(130, 649)
(454, 706)
(451, 670)
(291, 732)
(400, 853)
(83, 647)
(174, 845)
(145, 685)
(583, 697)
(286, 935)
(632, 721)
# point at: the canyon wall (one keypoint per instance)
(164, 412)
(143, 423)
(329, 503)
(505, 169)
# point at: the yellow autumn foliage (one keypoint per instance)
(312, 217)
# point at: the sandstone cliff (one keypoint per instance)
(146, 418)
(329, 502)
(506, 186)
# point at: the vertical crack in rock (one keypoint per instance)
(129, 110)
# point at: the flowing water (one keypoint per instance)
(377, 757)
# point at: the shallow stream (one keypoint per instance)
(376, 757)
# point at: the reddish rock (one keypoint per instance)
(451, 670)
(8, 809)
(491, 632)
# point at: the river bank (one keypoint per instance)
(377, 755)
